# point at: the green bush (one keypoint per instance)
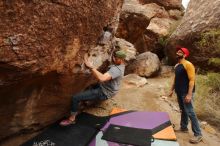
(210, 41)
(214, 62)
(207, 100)
(163, 41)
(214, 81)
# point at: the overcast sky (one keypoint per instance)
(185, 3)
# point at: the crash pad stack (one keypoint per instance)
(121, 127)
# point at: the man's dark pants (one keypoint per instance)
(187, 112)
(93, 93)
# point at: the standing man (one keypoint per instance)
(108, 86)
(184, 86)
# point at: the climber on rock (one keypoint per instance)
(108, 86)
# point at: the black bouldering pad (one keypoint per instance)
(73, 135)
(91, 120)
(128, 135)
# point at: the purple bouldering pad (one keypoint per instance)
(142, 120)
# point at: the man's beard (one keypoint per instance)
(178, 57)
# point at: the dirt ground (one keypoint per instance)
(145, 98)
(148, 98)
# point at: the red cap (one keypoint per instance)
(185, 51)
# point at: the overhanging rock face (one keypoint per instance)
(42, 44)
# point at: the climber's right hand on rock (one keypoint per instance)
(87, 62)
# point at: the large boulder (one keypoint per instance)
(143, 22)
(127, 47)
(160, 26)
(199, 31)
(42, 44)
(146, 65)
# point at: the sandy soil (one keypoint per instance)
(145, 98)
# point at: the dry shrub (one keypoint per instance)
(207, 99)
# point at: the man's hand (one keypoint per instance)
(87, 62)
(188, 98)
(170, 94)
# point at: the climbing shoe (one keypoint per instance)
(67, 122)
